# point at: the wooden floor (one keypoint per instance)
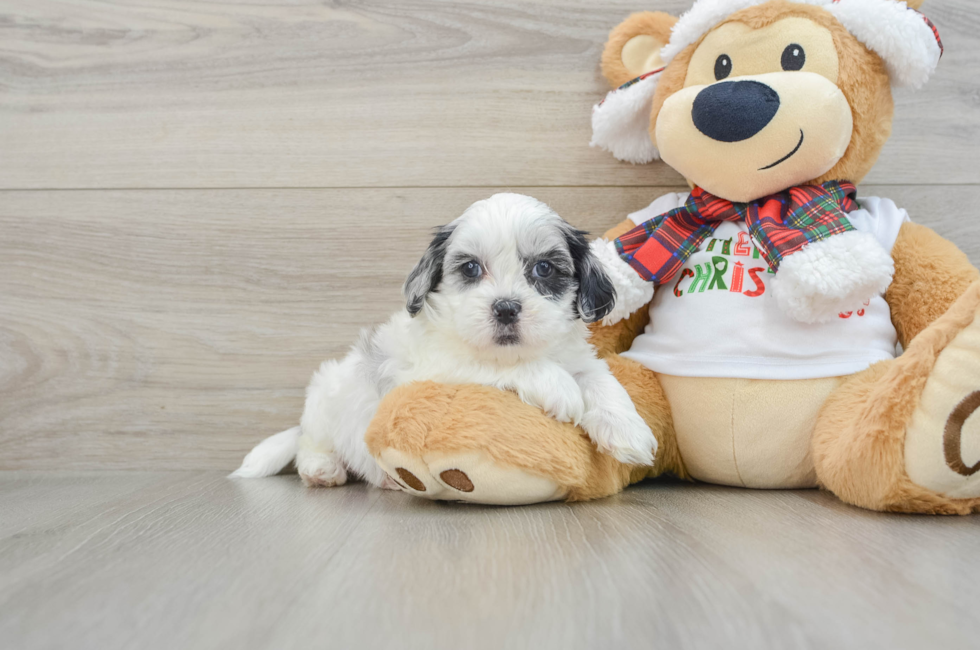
(194, 560)
(200, 201)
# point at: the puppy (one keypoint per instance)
(501, 298)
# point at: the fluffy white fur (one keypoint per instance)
(621, 123)
(270, 455)
(544, 356)
(898, 35)
(833, 275)
(632, 291)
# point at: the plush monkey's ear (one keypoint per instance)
(634, 46)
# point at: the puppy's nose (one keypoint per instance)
(734, 111)
(505, 312)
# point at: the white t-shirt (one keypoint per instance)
(717, 317)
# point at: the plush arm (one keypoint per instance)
(930, 274)
(616, 338)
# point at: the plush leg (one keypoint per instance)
(899, 436)
(478, 444)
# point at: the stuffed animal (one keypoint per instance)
(758, 317)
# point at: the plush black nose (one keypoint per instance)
(734, 110)
(506, 311)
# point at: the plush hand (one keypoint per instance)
(833, 275)
(483, 445)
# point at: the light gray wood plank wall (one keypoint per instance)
(370, 93)
(201, 201)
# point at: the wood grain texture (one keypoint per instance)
(172, 322)
(170, 93)
(174, 329)
(192, 560)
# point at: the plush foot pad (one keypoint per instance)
(942, 444)
(471, 476)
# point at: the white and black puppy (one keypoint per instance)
(500, 298)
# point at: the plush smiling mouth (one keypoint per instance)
(787, 156)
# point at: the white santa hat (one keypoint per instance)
(907, 42)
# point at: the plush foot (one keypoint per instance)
(482, 445)
(904, 434)
(942, 445)
(320, 469)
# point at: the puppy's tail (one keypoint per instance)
(269, 456)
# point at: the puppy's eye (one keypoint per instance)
(793, 58)
(471, 269)
(723, 67)
(543, 269)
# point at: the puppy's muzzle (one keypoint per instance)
(734, 111)
(506, 312)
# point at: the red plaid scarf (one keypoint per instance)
(780, 225)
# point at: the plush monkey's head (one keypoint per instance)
(753, 97)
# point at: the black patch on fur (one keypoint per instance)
(455, 265)
(596, 295)
(561, 280)
(427, 274)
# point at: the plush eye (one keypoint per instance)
(723, 67)
(793, 58)
(543, 269)
(471, 269)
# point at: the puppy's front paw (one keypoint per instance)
(624, 436)
(562, 402)
(566, 407)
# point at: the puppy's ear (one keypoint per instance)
(596, 295)
(427, 274)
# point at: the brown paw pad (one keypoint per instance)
(457, 479)
(952, 436)
(411, 480)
